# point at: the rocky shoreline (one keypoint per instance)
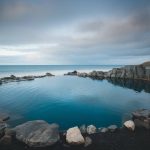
(13, 78)
(127, 73)
(40, 135)
(135, 72)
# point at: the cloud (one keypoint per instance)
(74, 32)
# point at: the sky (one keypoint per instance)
(74, 32)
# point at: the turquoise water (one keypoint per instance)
(70, 101)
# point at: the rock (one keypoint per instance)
(83, 129)
(13, 77)
(91, 129)
(112, 128)
(82, 74)
(1, 82)
(49, 74)
(72, 73)
(37, 133)
(10, 132)
(4, 117)
(88, 141)
(130, 125)
(141, 118)
(29, 78)
(3, 126)
(141, 114)
(74, 136)
(6, 140)
(103, 130)
(96, 74)
(142, 123)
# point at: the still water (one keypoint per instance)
(71, 101)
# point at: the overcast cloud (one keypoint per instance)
(74, 31)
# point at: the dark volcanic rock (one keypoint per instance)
(29, 78)
(49, 74)
(37, 133)
(13, 77)
(72, 73)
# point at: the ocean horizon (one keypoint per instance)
(21, 70)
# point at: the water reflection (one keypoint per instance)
(137, 85)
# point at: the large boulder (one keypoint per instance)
(37, 133)
(141, 114)
(91, 129)
(74, 136)
(142, 118)
(129, 125)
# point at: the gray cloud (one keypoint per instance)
(74, 32)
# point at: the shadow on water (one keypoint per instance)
(137, 85)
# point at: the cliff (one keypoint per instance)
(141, 71)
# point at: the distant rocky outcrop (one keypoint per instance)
(141, 71)
(13, 78)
